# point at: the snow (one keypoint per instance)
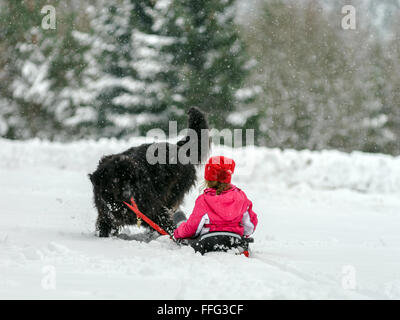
(328, 229)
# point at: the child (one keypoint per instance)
(221, 207)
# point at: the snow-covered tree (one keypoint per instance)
(210, 56)
(127, 70)
(44, 68)
(322, 86)
(13, 122)
(389, 92)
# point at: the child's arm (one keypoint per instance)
(249, 220)
(193, 225)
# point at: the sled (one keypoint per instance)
(210, 242)
(220, 241)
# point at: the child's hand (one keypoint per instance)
(177, 240)
(181, 241)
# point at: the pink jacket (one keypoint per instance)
(230, 211)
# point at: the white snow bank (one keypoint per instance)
(306, 241)
(369, 173)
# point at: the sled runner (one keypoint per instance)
(220, 242)
(209, 242)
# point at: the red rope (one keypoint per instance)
(134, 208)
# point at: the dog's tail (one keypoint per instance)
(197, 137)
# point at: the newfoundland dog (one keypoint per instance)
(158, 187)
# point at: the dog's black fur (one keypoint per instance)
(158, 189)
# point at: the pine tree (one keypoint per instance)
(210, 56)
(389, 82)
(311, 95)
(127, 70)
(44, 72)
(12, 34)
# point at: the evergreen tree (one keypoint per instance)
(127, 70)
(44, 72)
(12, 114)
(210, 56)
(390, 92)
(315, 94)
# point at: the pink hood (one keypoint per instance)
(230, 211)
(228, 207)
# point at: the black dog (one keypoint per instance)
(158, 189)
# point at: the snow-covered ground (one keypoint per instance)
(329, 229)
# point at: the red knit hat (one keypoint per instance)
(219, 168)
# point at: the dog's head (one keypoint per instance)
(115, 178)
